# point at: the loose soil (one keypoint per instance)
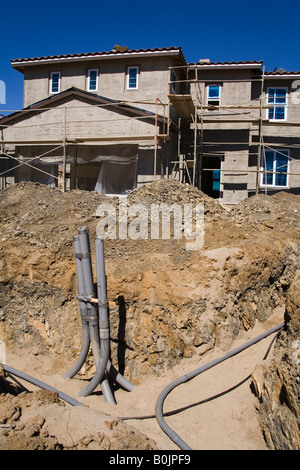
(171, 311)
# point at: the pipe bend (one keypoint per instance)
(100, 370)
(185, 378)
(119, 378)
(83, 353)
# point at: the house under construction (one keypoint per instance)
(111, 121)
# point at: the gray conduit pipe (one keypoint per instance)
(103, 321)
(99, 350)
(83, 313)
(88, 286)
(40, 384)
(119, 377)
(103, 314)
(185, 378)
(90, 321)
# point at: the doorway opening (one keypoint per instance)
(211, 176)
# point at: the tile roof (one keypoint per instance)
(42, 104)
(113, 52)
(123, 51)
(281, 72)
(245, 62)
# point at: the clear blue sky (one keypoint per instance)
(220, 30)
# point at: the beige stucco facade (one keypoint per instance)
(107, 116)
(233, 139)
(153, 76)
(235, 132)
(76, 117)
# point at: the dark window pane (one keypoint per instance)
(213, 91)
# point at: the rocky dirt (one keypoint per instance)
(171, 310)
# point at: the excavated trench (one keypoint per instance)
(167, 304)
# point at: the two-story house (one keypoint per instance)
(97, 121)
(110, 121)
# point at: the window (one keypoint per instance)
(216, 179)
(55, 82)
(213, 95)
(93, 80)
(277, 97)
(173, 81)
(132, 78)
(275, 166)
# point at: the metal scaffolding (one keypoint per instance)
(161, 122)
(193, 109)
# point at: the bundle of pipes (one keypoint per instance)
(94, 317)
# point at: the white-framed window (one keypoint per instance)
(275, 168)
(92, 78)
(277, 97)
(132, 78)
(213, 95)
(55, 82)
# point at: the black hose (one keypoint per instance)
(185, 378)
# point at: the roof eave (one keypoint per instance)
(20, 64)
(249, 65)
(40, 105)
(286, 76)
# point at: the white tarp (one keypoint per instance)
(42, 173)
(118, 170)
(117, 176)
(78, 154)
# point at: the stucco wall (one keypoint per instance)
(293, 108)
(153, 80)
(235, 90)
(83, 120)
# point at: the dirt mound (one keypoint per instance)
(25, 424)
(280, 212)
(37, 228)
(172, 192)
(167, 303)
